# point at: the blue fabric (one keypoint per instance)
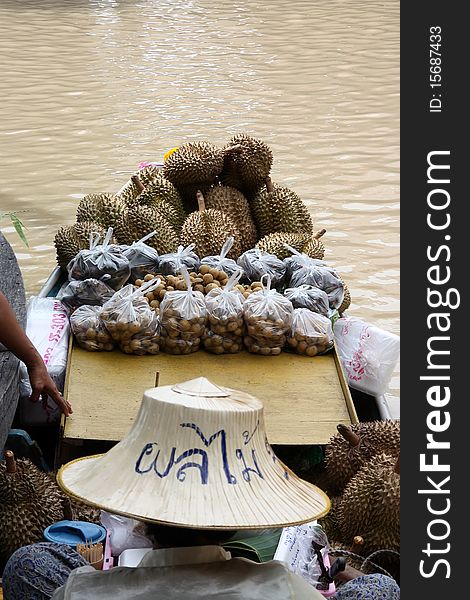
(369, 587)
(35, 572)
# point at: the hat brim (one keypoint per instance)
(284, 501)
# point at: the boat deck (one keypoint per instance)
(304, 398)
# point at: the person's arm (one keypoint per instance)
(13, 337)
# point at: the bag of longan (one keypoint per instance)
(90, 333)
(256, 263)
(143, 259)
(183, 316)
(128, 312)
(268, 318)
(310, 334)
(308, 296)
(146, 341)
(225, 326)
(170, 264)
(99, 260)
(221, 262)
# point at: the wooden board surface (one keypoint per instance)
(304, 398)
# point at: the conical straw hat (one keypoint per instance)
(197, 456)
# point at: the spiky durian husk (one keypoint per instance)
(232, 202)
(194, 163)
(343, 461)
(370, 506)
(167, 211)
(280, 210)
(188, 195)
(130, 190)
(160, 190)
(248, 168)
(274, 243)
(70, 239)
(314, 249)
(139, 220)
(209, 230)
(346, 300)
(103, 209)
(30, 501)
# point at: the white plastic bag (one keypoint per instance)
(311, 333)
(308, 296)
(89, 331)
(268, 318)
(256, 263)
(221, 262)
(143, 259)
(89, 292)
(100, 260)
(124, 533)
(170, 264)
(225, 327)
(368, 354)
(48, 328)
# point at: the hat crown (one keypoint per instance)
(200, 387)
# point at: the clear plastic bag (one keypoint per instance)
(308, 296)
(268, 318)
(310, 334)
(183, 317)
(225, 327)
(221, 262)
(256, 263)
(147, 341)
(128, 312)
(89, 331)
(90, 292)
(299, 260)
(309, 271)
(170, 264)
(99, 260)
(143, 259)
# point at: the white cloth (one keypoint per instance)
(197, 573)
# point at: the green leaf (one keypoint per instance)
(19, 227)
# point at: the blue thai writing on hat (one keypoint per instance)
(151, 459)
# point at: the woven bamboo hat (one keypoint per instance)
(197, 456)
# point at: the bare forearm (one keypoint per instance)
(13, 337)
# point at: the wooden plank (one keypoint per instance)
(304, 398)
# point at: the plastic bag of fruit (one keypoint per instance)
(143, 259)
(183, 316)
(225, 327)
(99, 260)
(310, 334)
(221, 262)
(89, 331)
(268, 318)
(128, 312)
(170, 264)
(90, 292)
(308, 296)
(256, 263)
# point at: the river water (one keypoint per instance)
(90, 88)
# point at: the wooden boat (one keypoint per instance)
(105, 390)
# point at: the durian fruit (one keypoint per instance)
(160, 190)
(274, 243)
(346, 300)
(139, 220)
(247, 164)
(194, 163)
(350, 449)
(370, 506)
(137, 183)
(209, 229)
(232, 202)
(30, 501)
(103, 209)
(315, 247)
(70, 239)
(279, 209)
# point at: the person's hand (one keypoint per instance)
(42, 386)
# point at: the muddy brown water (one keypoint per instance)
(90, 88)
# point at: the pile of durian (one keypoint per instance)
(363, 481)
(201, 197)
